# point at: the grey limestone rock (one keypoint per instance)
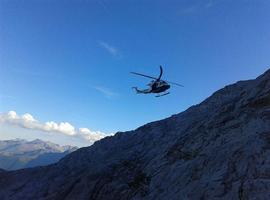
(218, 149)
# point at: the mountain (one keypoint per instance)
(48, 158)
(17, 154)
(218, 149)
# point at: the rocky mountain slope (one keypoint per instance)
(17, 154)
(218, 149)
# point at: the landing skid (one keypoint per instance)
(163, 94)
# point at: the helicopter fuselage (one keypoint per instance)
(159, 86)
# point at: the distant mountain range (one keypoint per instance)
(18, 153)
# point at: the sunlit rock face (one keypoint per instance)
(218, 149)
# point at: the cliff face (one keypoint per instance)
(218, 149)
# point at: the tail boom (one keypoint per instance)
(146, 91)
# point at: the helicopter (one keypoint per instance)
(157, 85)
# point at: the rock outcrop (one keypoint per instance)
(218, 149)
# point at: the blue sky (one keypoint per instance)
(69, 61)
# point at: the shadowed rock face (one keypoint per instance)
(218, 149)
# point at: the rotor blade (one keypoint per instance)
(161, 72)
(143, 75)
(175, 83)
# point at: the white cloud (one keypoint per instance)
(27, 121)
(27, 117)
(111, 49)
(197, 6)
(12, 115)
(90, 135)
(107, 92)
(62, 127)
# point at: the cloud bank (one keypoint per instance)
(27, 121)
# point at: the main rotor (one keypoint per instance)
(158, 78)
